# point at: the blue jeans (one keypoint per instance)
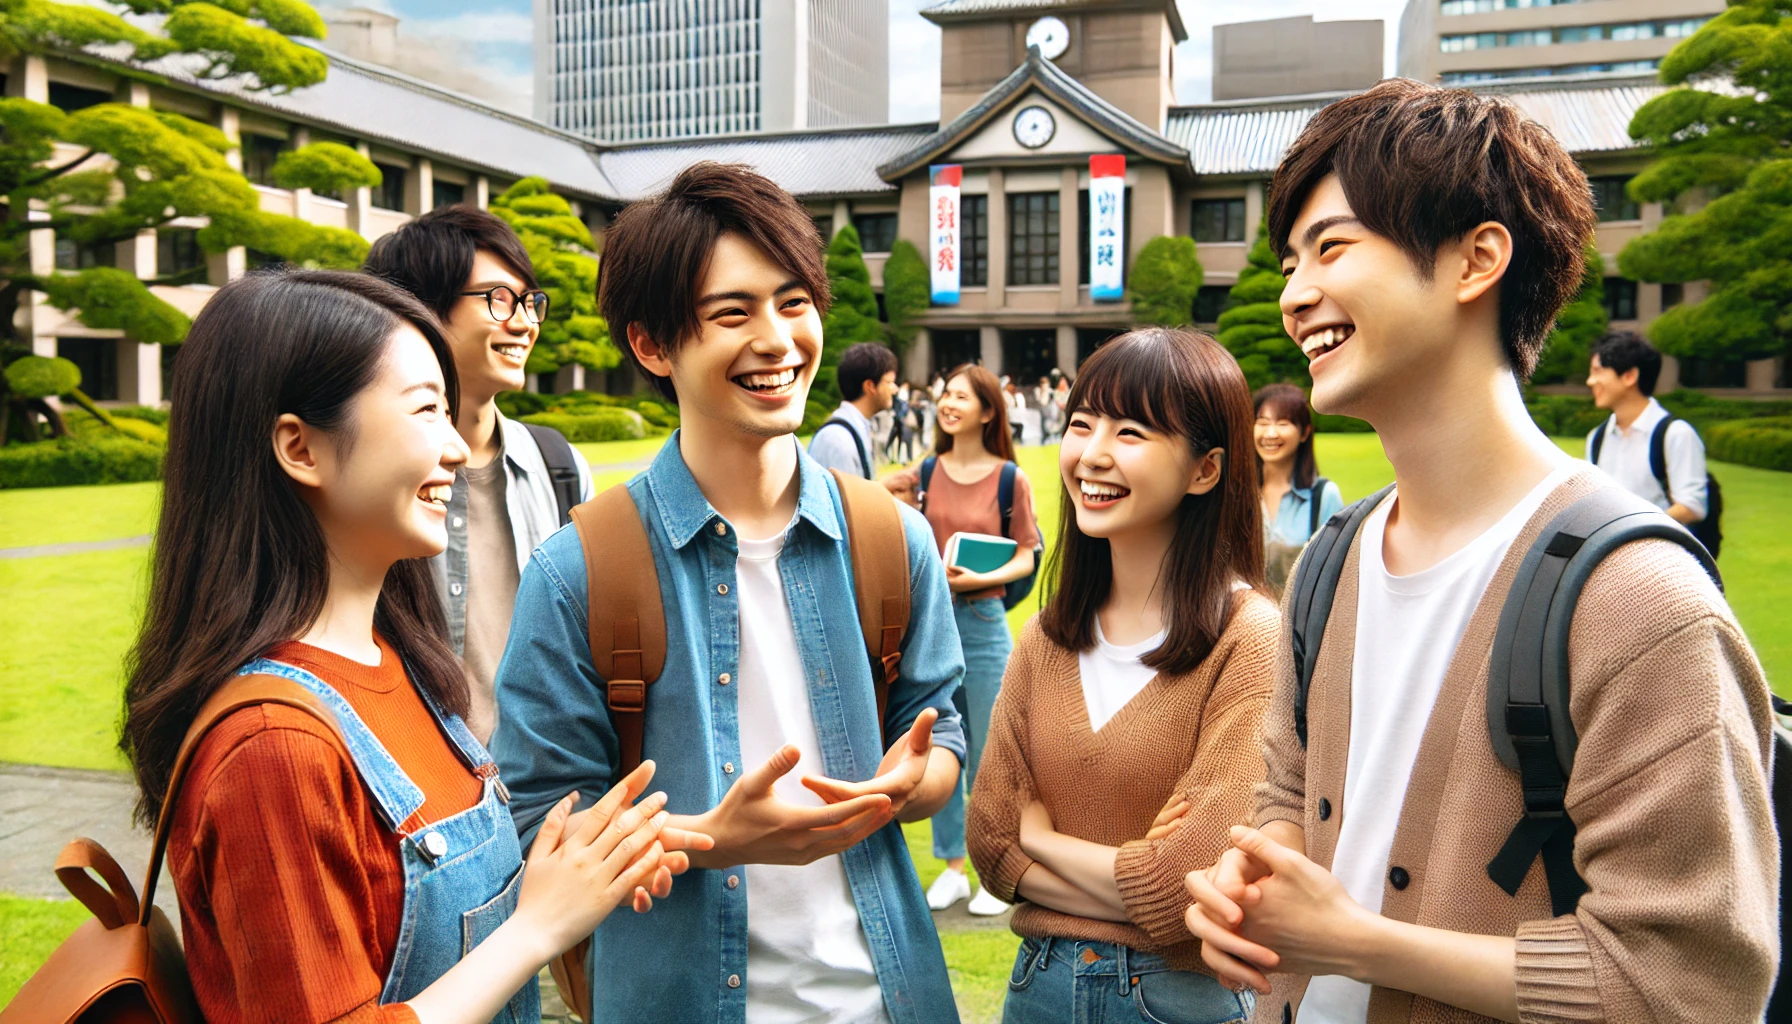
(1072, 981)
(983, 636)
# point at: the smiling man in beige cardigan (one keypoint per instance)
(1430, 236)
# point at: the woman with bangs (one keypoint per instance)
(1125, 740)
(959, 490)
(1296, 499)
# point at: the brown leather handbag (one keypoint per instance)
(126, 965)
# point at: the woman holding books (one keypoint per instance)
(1296, 499)
(1125, 741)
(959, 490)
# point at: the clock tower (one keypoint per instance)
(1121, 50)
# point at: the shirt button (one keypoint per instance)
(734, 981)
(722, 588)
(1398, 878)
(459, 522)
(728, 768)
(721, 529)
(724, 679)
(455, 589)
(733, 881)
(1325, 809)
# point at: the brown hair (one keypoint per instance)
(656, 252)
(1181, 382)
(1285, 401)
(1422, 166)
(239, 561)
(997, 438)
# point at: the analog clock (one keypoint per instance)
(1051, 35)
(1034, 127)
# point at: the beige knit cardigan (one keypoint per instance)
(1676, 837)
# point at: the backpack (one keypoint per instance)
(1528, 687)
(857, 442)
(1708, 530)
(627, 626)
(126, 964)
(1016, 592)
(563, 471)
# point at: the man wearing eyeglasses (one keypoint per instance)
(520, 479)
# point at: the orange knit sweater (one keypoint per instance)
(1198, 734)
(291, 889)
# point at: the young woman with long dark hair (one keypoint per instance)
(1296, 499)
(349, 872)
(1124, 742)
(973, 447)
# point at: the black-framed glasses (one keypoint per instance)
(502, 301)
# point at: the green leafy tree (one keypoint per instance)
(565, 258)
(908, 292)
(327, 167)
(30, 380)
(1730, 141)
(851, 319)
(1578, 326)
(1164, 281)
(138, 169)
(1251, 326)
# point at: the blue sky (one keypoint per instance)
(492, 37)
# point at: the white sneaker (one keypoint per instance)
(986, 905)
(948, 889)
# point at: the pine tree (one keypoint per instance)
(1164, 281)
(908, 293)
(1251, 326)
(850, 319)
(561, 247)
(1578, 326)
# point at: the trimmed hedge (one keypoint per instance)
(660, 419)
(600, 424)
(70, 461)
(1764, 442)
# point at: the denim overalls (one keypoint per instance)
(461, 874)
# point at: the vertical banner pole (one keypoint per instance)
(1107, 226)
(943, 231)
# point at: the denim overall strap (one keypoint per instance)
(471, 750)
(397, 797)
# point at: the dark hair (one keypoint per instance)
(1623, 351)
(432, 256)
(997, 438)
(1285, 401)
(1422, 166)
(656, 252)
(864, 363)
(1180, 382)
(239, 561)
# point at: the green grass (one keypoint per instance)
(30, 930)
(31, 516)
(610, 453)
(980, 962)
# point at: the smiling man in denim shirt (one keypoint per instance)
(808, 907)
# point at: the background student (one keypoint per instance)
(1141, 684)
(1296, 499)
(847, 441)
(972, 446)
(306, 482)
(1622, 379)
(471, 270)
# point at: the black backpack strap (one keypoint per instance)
(1658, 455)
(563, 469)
(1005, 497)
(1528, 718)
(1318, 492)
(927, 465)
(1598, 444)
(857, 442)
(1315, 584)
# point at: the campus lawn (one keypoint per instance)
(30, 930)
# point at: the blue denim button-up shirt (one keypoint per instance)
(554, 735)
(1295, 513)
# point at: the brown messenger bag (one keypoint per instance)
(627, 626)
(126, 965)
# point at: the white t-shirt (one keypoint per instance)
(1624, 456)
(1113, 675)
(1407, 629)
(807, 958)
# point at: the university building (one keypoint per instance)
(1031, 90)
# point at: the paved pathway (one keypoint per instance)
(75, 547)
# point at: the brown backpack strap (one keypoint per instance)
(879, 548)
(627, 624)
(238, 692)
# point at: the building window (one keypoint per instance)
(1454, 7)
(1210, 302)
(1675, 28)
(1620, 298)
(97, 359)
(824, 226)
(259, 154)
(389, 193)
(1611, 202)
(1627, 67)
(447, 193)
(1672, 294)
(877, 231)
(1088, 339)
(973, 240)
(72, 255)
(1029, 355)
(70, 98)
(1217, 220)
(178, 252)
(952, 349)
(1082, 235)
(1713, 373)
(1033, 238)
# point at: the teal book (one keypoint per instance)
(979, 552)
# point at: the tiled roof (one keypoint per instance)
(952, 10)
(1590, 115)
(821, 162)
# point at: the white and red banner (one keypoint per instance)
(1107, 225)
(945, 255)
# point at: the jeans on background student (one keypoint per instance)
(983, 636)
(1102, 983)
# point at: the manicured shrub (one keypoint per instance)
(600, 424)
(1765, 442)
(148, 413)
(71, 461)
(41, 377)
(517, 404)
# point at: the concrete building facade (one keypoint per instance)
(627, 70)
(1294, 57)
(1460, 42)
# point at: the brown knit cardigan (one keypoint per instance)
(1676, 837)
(1198, 733)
